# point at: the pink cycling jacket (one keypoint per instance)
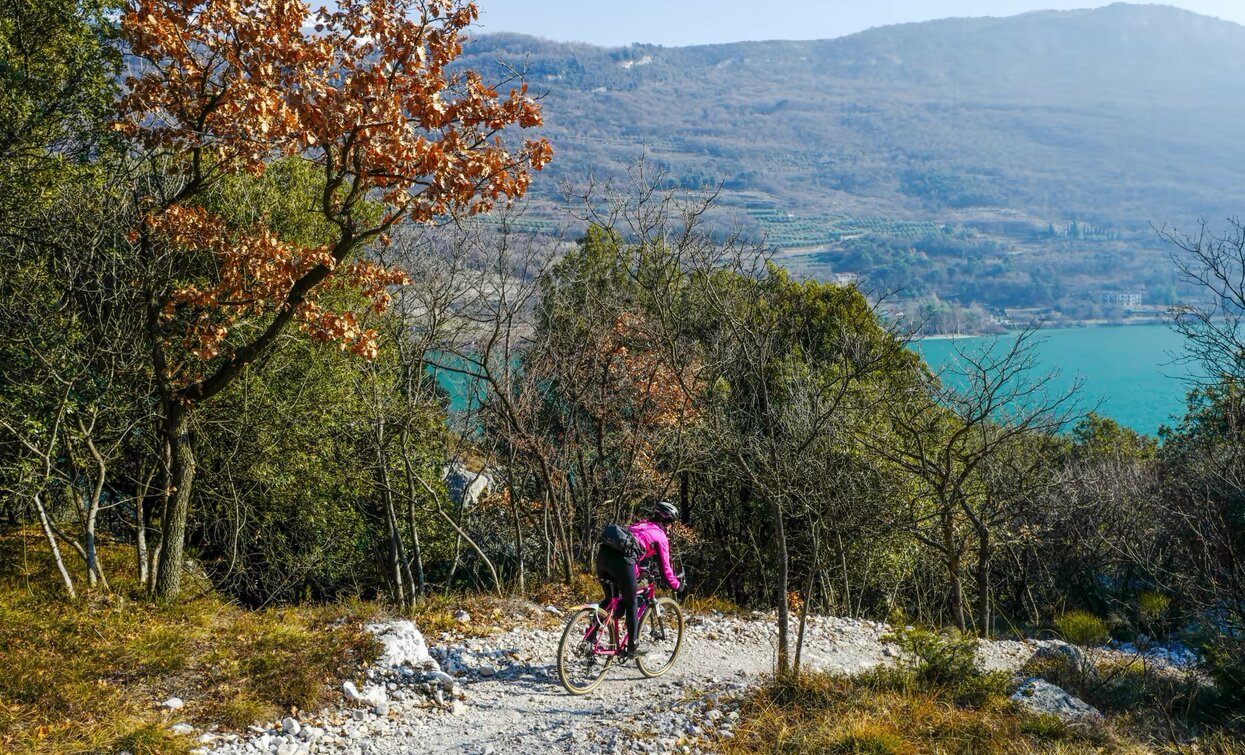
(653, 538)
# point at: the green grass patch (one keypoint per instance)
(1083, 628)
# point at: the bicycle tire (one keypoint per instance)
(570, 650)
(664, 615)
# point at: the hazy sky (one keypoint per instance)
(689, 22)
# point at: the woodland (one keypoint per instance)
(244, 266)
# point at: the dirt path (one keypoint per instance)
(511, 701)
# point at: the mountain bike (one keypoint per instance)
(596, 635)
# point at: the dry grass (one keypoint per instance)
(88, 676)
(937, 700)
(1152, 701)
(886, 713)
(583, 588)
(702, 604)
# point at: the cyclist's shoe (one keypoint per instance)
(634, 654)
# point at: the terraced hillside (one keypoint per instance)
(1074, 132)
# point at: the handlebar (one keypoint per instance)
(654, 575)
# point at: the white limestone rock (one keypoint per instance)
(404, 645)
(1044, 698)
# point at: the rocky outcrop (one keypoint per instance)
(1042, 697)
(1064, 653)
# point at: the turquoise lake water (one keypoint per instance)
(1133, 370)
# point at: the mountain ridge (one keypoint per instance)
(1118, 118)
(1072, 12)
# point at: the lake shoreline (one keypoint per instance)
(1065, 325)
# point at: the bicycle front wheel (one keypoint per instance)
(662, 634)
(581, 668)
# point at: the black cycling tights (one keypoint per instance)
(618, 580)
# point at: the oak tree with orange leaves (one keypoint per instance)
(603, 405)
(365, 92)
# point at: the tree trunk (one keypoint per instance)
(488, 563)
(94, 570)
(548, 540)
(458, 552)
(955, 600)
(140, 522)
(419, 583)
(399, 569)
(685, 507)
(518, 523)
(91, 508)
(784, 618)
(396, 554)
(983, 584)
(181, 478)
(140, 544)
(396, 551)
(568, 557)
(847, 579)
(90, 546)
(808, 598)
(153, 555)
(46, 523)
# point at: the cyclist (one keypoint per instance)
(618, 563)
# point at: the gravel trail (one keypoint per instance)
(504, 695)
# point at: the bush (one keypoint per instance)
(1082, 628)
(935, 658)
(1153, 606)
(943, 664)
(1224, 662)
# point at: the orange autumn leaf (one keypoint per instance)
(364, 89)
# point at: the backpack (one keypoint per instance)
(619, 538)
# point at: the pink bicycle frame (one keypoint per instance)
(647, 593)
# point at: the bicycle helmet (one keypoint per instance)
(665, 512)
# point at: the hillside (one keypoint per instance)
(954, 147)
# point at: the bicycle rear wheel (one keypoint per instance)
(661, 633)
(580, 667)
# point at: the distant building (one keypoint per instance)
(1122, 298)
(844, 279)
